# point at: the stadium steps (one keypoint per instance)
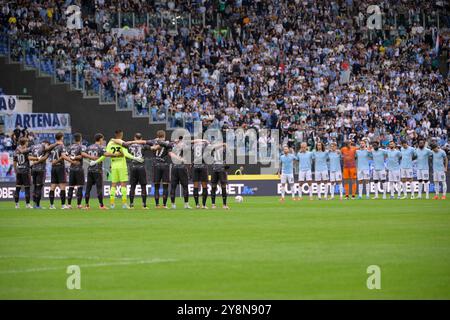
(88, 114)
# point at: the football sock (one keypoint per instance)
(224, 195)
(213, 194)
(16, 194)
(204, 195)
(70, 195)
(157, 194)
(123, 190)
(52, 196)
(132, 192)
(38, 195)
(165, 193)
(173, 189)
(144, 194)
(196, 196)
(186, 194)
(79, 195)
(27, 195)
(112, 196)
(63, 197)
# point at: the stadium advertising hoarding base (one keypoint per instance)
(246, 185)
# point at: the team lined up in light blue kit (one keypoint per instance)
(392, 169)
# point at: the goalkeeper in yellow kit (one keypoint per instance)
(119, 169)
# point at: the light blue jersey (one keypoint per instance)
(304, 161)
(287, 163)
(320, 160)
(423, 158)
(378, 157)
(407, 157)
(393, 160)
(438, 160)
(335, 161)
(362, 159)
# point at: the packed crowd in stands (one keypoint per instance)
(308, 67)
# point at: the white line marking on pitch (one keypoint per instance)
(92, 265)
(66, 258)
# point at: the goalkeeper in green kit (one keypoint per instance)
(119, 169)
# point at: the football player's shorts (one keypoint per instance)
(335, 176)
(200, 174)
(349, 173)
(138, 175)
(58, 175)
(304, 176)
(321, 175)
(423, 174)
(222, 177)
(76, 178)
(119, 175)
(439, 176)
(161, 173)
(38, 177)
(179, 175)
(406, 173)
(287, 178)
(363, 174)
(394, 175)
(379, 175)
(23, 179)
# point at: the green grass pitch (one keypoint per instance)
(259, 249)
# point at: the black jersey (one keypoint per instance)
(20, 157)
(198, 149)
(219, 157)
(38, 150)
(56, 155)
(95, 150)
(179, 149)
(73, 151)
(137, 150)
(162, 155)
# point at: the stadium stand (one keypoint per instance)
(251, 64)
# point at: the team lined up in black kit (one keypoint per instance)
(170, 166)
